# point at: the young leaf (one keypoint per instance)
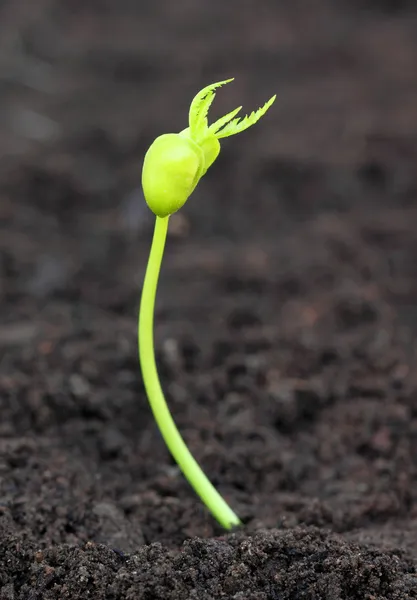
(201, 124)
(237, 125)
(201, 104)
(215, 127)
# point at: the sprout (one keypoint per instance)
(173, 166)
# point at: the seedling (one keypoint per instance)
(173, 166)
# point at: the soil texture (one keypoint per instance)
(286, 317)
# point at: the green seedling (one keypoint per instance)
(173, 166)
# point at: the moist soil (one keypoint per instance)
(286, 315)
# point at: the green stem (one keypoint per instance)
(176, 445)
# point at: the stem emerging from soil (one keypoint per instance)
(176, 445)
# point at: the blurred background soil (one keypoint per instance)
(287, 310)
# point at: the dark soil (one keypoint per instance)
(287, 311)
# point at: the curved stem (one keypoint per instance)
(176, 445)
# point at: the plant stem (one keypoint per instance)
(176, 445)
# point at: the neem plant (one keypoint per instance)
(173, 166)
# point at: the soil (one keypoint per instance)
(286, 317)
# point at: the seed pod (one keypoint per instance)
(172, 168)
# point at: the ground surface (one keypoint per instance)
(286, 317)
